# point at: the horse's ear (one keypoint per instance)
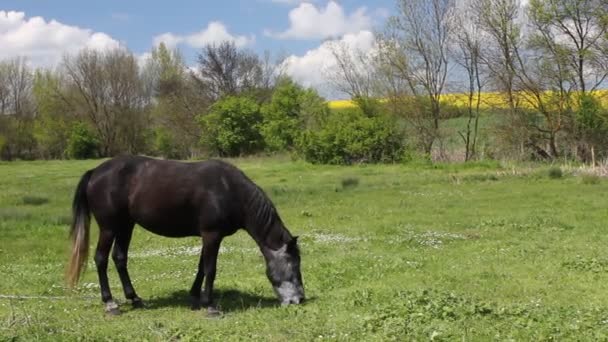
(293, 242)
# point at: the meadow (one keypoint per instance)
(475, 252)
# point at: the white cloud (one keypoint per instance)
(215, 32)
(309, 22)
(45, 42)
(313, 68)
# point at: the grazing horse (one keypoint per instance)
(210, 199)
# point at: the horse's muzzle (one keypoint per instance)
(294, 300)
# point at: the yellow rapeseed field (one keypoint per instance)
(488, 100)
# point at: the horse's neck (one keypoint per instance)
(273, 237)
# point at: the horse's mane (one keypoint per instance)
(265, 216)
(261, 208)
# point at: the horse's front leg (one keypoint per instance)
(211, 247)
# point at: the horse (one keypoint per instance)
(210, 199)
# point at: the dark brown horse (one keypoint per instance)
(211, 199)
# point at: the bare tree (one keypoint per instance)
(223, 70)
(111, 96)
(467, 39)
(415, 49)
(571, 40)
(356, 75)
(16, 80)
(501, 21)
(16, 109)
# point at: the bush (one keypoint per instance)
(82, 143)
(590, 179)
(232, 127)
(349, 137)
(555, 172)
(350, 182)
(164, 144)
(34, 200)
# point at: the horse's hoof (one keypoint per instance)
(137, 303)
(113, 312)
(195, 304)
(213, 312)
(112, 309)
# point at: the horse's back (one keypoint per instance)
(169, 198)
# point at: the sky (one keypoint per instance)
(44, 31)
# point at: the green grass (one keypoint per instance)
(444, 252)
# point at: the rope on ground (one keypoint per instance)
(23, 297)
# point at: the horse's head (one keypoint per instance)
(283, 270)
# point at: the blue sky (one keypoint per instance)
(44, 30)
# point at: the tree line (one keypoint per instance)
(546, 61)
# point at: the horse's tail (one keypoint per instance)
(79, 233)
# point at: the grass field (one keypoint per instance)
(395, 252)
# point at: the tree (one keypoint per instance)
(290, 110)
(500, 22)
(54, 114)
(111, 97)
(415, 50)
(355, 74)
(571, 37)
(231, 128)
(16, 109)
(224, 70)
(468, 45)
(178, 102)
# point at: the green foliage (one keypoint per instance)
(281, 116)
(555, 172)
(231, 128)
(349, 137)
(165, 145)
(290, 110)
(590, 117)
(82, 143)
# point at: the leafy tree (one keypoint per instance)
(54, 116)
(290, 110)
(231, 128)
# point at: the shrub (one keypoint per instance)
(350, 182)
(349, 136)
(589, 178)
(231, 128)
(34, 200)
(165, 145)
(555, 172)
(82, 143)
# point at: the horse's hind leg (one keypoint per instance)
(211, 247)
(106, 239)
(195, 290)
(120, 256)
